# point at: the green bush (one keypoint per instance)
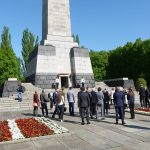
(139, 82)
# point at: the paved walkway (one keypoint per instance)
(99, 135)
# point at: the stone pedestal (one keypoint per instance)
(81, 67)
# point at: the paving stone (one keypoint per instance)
(49, 144)
(21, 146)
(3, 147)
(76, 143)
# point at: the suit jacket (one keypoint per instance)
(119, 99)
(84, 100)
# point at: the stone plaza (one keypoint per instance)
(99, 135)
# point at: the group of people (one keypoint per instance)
(91, 104)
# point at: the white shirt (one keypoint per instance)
(57, 80)
(82, 80)
(112, 94)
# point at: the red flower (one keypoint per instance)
(5, 134)
(33, 128)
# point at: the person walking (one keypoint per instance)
(119, 98)
(55, 101)
(43, 103)
(93, 102)
(100, 104)
(35, 103)
(131, 100)
(84, 104)
(61, 101)
(71, 101)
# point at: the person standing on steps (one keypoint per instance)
(57, 82)
(20, 91)
(84, 104)
(82, 81)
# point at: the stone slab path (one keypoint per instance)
(99, 135)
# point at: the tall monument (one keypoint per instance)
(58, 56)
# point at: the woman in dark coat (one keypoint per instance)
(106, 102)
(131, 100)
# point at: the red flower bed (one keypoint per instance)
(143, 109)
(32, 128)
(5, 134)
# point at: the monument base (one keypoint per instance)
(123, 82)
(9, 88)
(46, 63)
(44, 81)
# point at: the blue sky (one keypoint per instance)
(101, 24)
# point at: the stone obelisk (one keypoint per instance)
(58, 56)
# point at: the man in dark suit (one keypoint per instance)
(119, 98)
(84, 104)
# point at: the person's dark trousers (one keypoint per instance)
(61, 113)
(131, 106)
(57, 84)
(71, 108)
(146, 102)
(35, 111)
(119, 109)
(92, 109)
(44, 106)
(83, 111)
(142, 101)
(111, 101)
(82, 84)
(105, 111)
(55, 111)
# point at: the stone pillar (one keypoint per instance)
(81, 67)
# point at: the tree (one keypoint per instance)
(73, 36)
(8, 59)
(28, 45)
(77, 39)
(139, 82)
(99, 62)
(21, 69)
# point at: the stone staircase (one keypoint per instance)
(10, 104)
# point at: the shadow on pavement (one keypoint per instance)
(73, 122)
(137, 127)
(145, 120)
